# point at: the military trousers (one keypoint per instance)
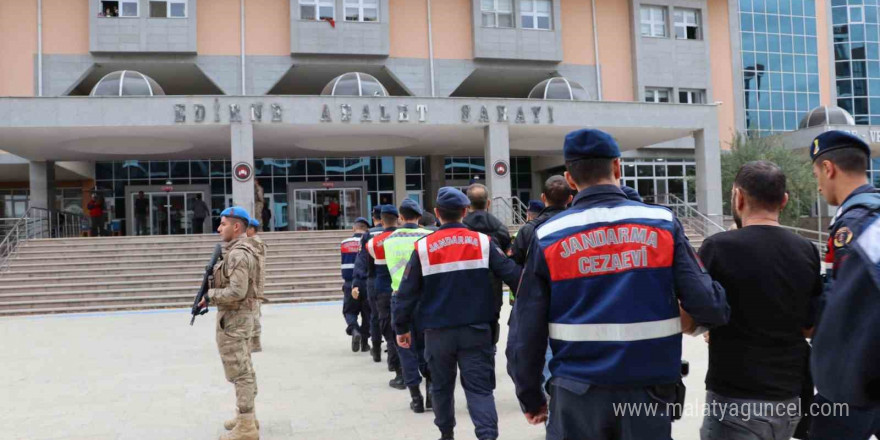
(412, 359)
(469, 349)
(352, 309)
(375, 334)
(234, 330)
(383, 304)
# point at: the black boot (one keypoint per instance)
(417, 405)
(397, 382)
(376, 351)
(428, 404)
(446, 435)
(365, 345)
(355, 340)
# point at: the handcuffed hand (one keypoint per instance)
(404, 341)
(355, 293)
(539, 417)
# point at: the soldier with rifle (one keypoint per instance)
(234, 291)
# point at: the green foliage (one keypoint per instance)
(800, 182)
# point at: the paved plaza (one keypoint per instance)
(149, 375)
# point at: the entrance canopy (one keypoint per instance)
(79, 128)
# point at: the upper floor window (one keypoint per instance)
(497, 13)
(535, 14)
(361, 10)
(653, 20)
(657, 95)
(168, 8)
(317, 9)
(119, 8)
(687, 24)
(691, 97)
(856, 14)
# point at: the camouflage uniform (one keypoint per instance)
(235, 295)
(259, 202)
(261, 247)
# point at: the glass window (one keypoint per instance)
(535, 14)
(317, 9)
(362, 10)
(856, 14)
(657, 95)
(653, 21)
(497, 13)
(687, 24)
(691, 97)
(118, 8)
(168, 8)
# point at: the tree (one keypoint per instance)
(800, 183)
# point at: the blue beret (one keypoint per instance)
(835, 140)
(411, 205)
(452, 198)
(254, 222)
(589, 144)
(236, 212)
(389, 209)
(362, 220)
(631, 193)
(377, 211)
(536, 206)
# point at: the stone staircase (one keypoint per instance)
(128, 273)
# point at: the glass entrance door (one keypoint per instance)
(326, 209)
(169, 213)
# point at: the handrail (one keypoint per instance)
(38, 223)
(509, 210)
(687, 214)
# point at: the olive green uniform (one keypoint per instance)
(262, 247)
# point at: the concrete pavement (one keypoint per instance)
(149, 375)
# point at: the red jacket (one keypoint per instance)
(96, 208)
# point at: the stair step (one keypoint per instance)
(140, 270)
(127, 250)
(190, 285)
(177, 276)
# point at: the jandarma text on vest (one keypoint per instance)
(455, 239)
(606, 237)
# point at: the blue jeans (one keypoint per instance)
(749, 419)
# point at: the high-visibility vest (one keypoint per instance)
(399, 247)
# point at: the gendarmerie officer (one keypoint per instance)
(258, 243)
(365, 275)
(845, 360)
(352, 307)
(382, 290)
(447, 284)
(398, 250)
(603, 281)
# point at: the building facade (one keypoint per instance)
(218, 97)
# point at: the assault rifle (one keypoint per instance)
(206, 284)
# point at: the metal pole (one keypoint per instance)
(596, 52)
(242, 51)
(431, 51)
(39, 47)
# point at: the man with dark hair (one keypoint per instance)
(353, 307)
(365, 275)
(479, 219)
(428, 221)
(200, 213)
(446, 288)
(382, 291)
(141, 211)
(556, 196)
(771, 277)
(845, 357)
(605, 281)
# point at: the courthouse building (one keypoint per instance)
(372, 101)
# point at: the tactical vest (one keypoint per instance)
(613, 315)
(399, 247)
(222, 272)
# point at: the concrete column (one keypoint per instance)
(497, 148)
(435, 169)
(399, 179)
(242, 140)
(42, 185)
(707, 151)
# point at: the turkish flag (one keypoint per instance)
(331, 21)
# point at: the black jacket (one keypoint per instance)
(485, 222)
(527, 233)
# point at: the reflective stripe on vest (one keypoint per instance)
(603, 215)
(636, 331)
(376, 247)
(450, 250)
(399, 247)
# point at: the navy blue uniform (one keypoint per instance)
(365, 274)
(447, 285)
(845, 360)
(603, 282)
(353, 308)
(382, 293)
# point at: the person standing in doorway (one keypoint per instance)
(141, 210)
(200, 213)
(333, 213)
(96, 215)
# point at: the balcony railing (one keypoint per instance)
(36, 223)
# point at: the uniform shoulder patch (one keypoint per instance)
(842, 237)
